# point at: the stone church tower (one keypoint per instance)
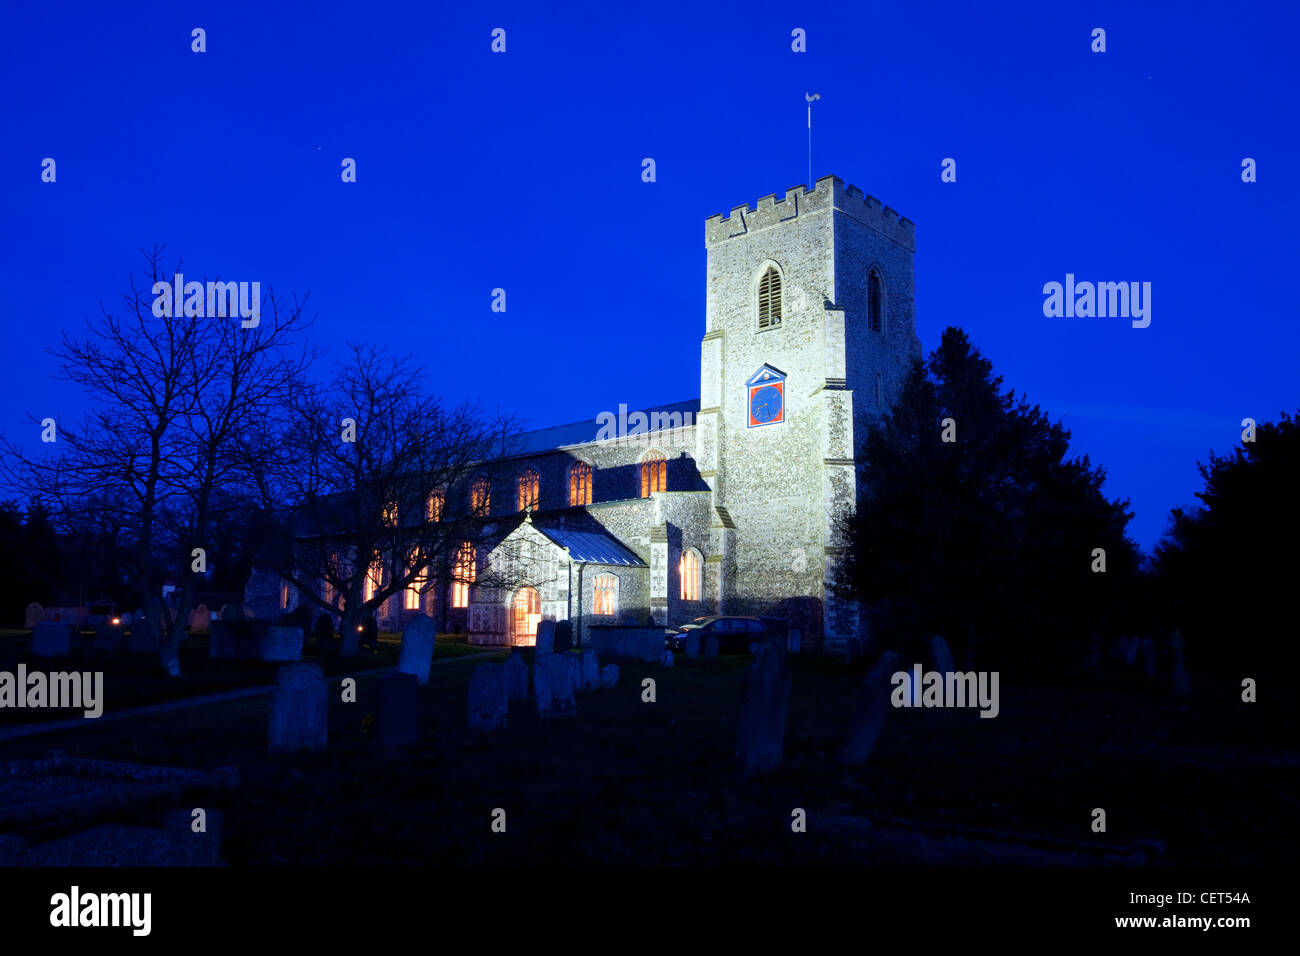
(809, 334)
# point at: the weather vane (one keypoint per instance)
(810, 97)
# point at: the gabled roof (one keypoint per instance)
(582, 433)
(593, 547)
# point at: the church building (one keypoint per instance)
(728, 503)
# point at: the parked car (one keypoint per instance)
(736, 635)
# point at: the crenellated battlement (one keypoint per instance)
(828, 193)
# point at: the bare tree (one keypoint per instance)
(162, 448)
(376, 500)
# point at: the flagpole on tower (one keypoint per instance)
(810, 97)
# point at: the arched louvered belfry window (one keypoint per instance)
(769, 298)
(875, 301)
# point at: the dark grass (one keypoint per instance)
(628, 782)
(139, 680)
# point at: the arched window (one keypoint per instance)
(374, 578)
(580, 480)
(529, 489)
(433, 511)
(654, 473)
(463, 575)
(330, 592)
(769, 299)
(875, 302)
(480, 495)
(527, 614)
(689, 572)
(604, 601)
(414, 590)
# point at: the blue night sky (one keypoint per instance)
(522, 171)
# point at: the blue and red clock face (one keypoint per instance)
(766, 403)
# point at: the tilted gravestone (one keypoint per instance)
(489, 697)
(552, 686)
(666, 659)
(545, 637)
(35, 614)
(299, 709)
(941, 656)
(870, 708)
(397, 715)
(764, 696)
(590, 669)
(417, 648)
(516, 672)
(609, 675)
(52, 639)
(692, 643)
(710, 648)
(563, 637)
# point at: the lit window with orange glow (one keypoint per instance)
(433, 510)
(654, 474)
(374, 578)
(480, 496)
(330, 592)
(689, 572)
(414, 591)
(390, 514)
(580, 480)
(604, 600)
(284, 595)
(527, 615)
(530, 484)
(463, 575)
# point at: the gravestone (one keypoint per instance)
(552, 686)
(574, 663)
(417, 648)
(710, 648)
(1182, 682)
(794, 641)
(545, 637)
(52, 639)
(563, 637)
(692, 644)
(666, 659)
(941, 656)
(764, 696)
(35, 614)
(299, 709)
(397, 717)
(870, 709)
(609, 675)
(489, 697)
(590, 669)
(278, 642)
(516, 677)
(233, 612)
(1149, 656)
(200, 619)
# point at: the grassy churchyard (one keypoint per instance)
(631, 782)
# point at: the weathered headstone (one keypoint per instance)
(552, 686)
(516, 672)
(35, 614)
(278, 642)
(299, 709)
(489, 697)
(563, 637)
(762, 712)
(200, 619)
(794, 640)
(52, 639)
(941, 656)
(590, 669)
(1182, 682)
(397, 717)
(545, 637)
(1149, 656)
(692, 643)
(666, 659)
(417, 648)
(710, 648)
(870, 708)
(609, 675)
